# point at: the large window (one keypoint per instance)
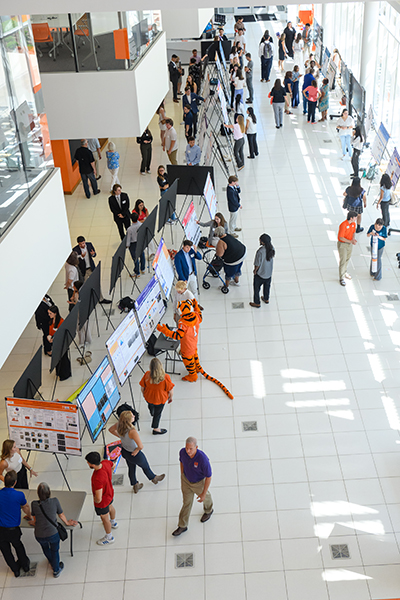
(25, 150)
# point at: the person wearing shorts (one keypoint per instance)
(103, 495)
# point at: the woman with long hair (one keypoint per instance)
(278, 95)
(384, 198)
(288, 83)
(355, 200)
(191, 83)
(295, 86)
(161, 123)
(282, 54)
(12, 460)
(239, 108)
(262, 274)
(298, 46)
(218, 221)
(357, 144)
(44, 519)
(113, 163)
(132, 450)
(157, 390)
(251, 132)
(238, 82)
(63, 369)
(141, 210)
(72, 274)
(323, 104)
(232, 75)
(239, 130)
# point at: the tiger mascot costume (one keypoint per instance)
(187, 333)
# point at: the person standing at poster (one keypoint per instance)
(384, 198)
(377, 232)
(185, 265)
(233, 197)
(103, 495)
(192, 153)
(12, 460)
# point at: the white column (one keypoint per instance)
(368, 49)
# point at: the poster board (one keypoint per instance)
(150, 307)
(163, 268)
(190, 225)
(379, 144)
(98, 398)
(44, 426)
(31, 379)
(125, 347)
(331, 73)
(325, 62)
(222, 99)
(208, 150)
(393, 168)
(369, 120)
(210, 197)
(202, 131)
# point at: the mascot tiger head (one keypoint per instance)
(189, 311)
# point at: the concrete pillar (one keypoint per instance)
(368, 49)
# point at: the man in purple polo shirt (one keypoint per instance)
(195, 479)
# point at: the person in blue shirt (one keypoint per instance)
(192, 153)
(378, 230)
(308, 78)
(185, 265)
(11, 503)
(188, 121)
(196, 476)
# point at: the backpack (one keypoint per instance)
(123, 407)
(126, 304)
(268, 50)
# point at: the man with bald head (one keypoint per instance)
(87, 168)
(195, 479)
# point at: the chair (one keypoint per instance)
(42, 35)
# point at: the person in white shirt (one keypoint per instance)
(240, 37)
(171, 142)
(345, 124)
(251, 132)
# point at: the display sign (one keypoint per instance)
(208, 150)
(210, 196)
(44, 426)
(379, 144)
(369, 119)
(164, 269)
(191, 226)
(98, 398)
(325, 62)
(150, 307)
(222, 99)
(331, 73)
(393, 168)
(202, 131)
(126, 347)
(222, 56)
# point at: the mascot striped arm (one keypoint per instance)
(187, 334)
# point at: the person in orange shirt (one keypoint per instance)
(346, 241)
(157, 390)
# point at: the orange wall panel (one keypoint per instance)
(62, 158)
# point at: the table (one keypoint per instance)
(170, 347)
(71, 503)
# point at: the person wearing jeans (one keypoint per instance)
(312, 94)
(87, 168)
(262, 274)
(132, 450)
(384, 198)
(345, 125)
(44, 519)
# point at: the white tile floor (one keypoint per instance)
(318, 369)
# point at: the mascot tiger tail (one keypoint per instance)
(187, 334)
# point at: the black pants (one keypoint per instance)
(121, 223)
(252, 141)
(385, 213)
(355, 160)
(311, 111)
(195, 115)
(232, 94)
(175, 89)
(145, 150)
(155, 410)
(22, 479)
(70, 294)
(257, 283)
(11, 536)
(238, 152)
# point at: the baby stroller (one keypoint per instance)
(214, 265)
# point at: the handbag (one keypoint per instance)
(393, 199)
(62, 532)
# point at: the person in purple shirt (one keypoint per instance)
(195, 479)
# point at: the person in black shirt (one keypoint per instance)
(87, 168)
(43, 320)
(278, 95)
(174, 75)
(145, 142)
(119, 206)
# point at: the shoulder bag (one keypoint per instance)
(62, 532)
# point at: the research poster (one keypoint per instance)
(126, 347)
(393, 168)
(150, 307)
(44, 426)
(379, 144)
(190, 225)
(222, 99)
(162, 265)
(210, 196)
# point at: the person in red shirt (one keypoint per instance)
(346, 241)
(312, 94)
(157, 390)
(103, 494)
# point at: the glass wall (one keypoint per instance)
(25, 150)
(345, 23)
(86, 41)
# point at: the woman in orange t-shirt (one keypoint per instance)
(157, 389)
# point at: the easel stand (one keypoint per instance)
(35, 388)
(121, 266)
(94, 300)
(83, 359)
(61, 469)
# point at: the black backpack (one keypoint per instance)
(126, 304)
(123, 407)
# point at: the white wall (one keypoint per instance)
(31, 256)
(107, 103)
(185, 22)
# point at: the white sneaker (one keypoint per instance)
(105, 541)
(347, 275)
(114, 525)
